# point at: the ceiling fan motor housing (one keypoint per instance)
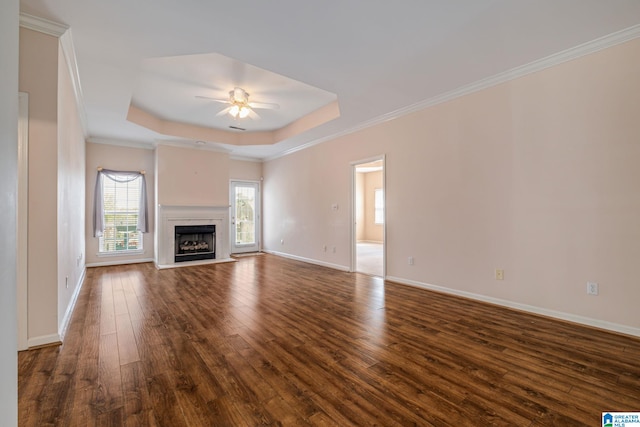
(239, 96)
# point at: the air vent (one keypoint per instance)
(236, 128)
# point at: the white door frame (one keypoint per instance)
(258, 217)
(354, 166)
(22, 302)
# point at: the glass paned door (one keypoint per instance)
(245, 216)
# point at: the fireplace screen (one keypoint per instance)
(195, 242)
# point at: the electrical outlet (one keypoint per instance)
(410, 260)
(499, 274)
(282, 241)
(592, 288)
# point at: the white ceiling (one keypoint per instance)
(376, 56)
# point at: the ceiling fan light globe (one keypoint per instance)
(244, 112)
(235, 110)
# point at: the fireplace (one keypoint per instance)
(195, 242)
(167, 248)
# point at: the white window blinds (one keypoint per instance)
(120, 211)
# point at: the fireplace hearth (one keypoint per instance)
(195, 242)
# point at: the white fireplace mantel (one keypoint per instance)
(170, 216)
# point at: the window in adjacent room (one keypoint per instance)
(120, 211)
(379, 206)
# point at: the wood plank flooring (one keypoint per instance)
(272, 341)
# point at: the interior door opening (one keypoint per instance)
(369, 230)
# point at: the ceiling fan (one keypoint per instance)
(239, 105)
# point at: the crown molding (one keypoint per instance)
(521, 71)
(193, 145)
(63, 33)
(570, 54)
(42, 25)
(244, 158)
(122, 143)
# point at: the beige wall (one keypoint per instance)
(300, 191)
(8, 184)
(70, 192)
(55, 186)
(39, 78)
(366, 229)
(126, 159)
(245, 170)
(192, 177)
(537, 176)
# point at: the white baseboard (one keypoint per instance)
(309, 260)
(600, 324)
(44, 340)
(119, 262)
(62, 330)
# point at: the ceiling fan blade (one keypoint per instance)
(223, 112)
(253, 115)
(264, 105)
(223, 101)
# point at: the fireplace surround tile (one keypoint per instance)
(168, 217)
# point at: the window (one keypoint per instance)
(120, 211)
(245, 214)
(379, 206)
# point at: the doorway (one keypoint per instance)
(369, 228)
(245, 216)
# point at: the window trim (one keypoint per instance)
(120, 253)
(99, 209)
(378, 210)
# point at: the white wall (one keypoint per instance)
(126, 159)
(8, 195)
(537, 176)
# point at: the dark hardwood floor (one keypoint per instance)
(272, 341)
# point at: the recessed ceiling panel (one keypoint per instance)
(171, 88)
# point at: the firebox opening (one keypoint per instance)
(195, 242)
